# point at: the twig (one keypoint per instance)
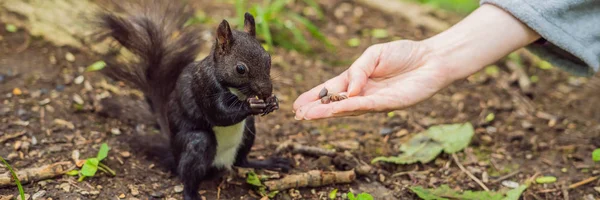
(506, 176)
(298, 148)
(469, 173)
(7, 137)
(37, 174)
(583, 182)
(410, 172)
(314, 178)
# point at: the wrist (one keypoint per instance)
(485, 36)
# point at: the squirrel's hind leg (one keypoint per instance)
(196, 152)
(242, 160)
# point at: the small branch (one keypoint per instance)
(298, 148)
(469, 173)
(507, 176)
(580, 183)
(314, 178)
(37, 174)
(7, 137)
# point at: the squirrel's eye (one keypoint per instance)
(241, 69)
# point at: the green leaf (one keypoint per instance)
(453, 137)
(11, 28)
(98, 65)
(90, 167)
(444, 192)
(14, 175)
(534, 79)
(544, 65)
(492, 70)
(596, 155)
(364, 196)
(73, 173)
(333, 194)
(354, 42)
(490, 117)
(545, 179)
(426, 146)
(252, 179)
(103, 152)
(272, 194)
(514, 194)
(379, 33)
(351, 196)
(275, 7)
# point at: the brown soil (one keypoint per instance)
(521, 137)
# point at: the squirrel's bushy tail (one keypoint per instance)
(153, 32)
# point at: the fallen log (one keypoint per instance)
(314, 178)
(36, 174)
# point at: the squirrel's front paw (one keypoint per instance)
(272, 105)
(257, 106)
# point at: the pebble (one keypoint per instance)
(315, 132)
(78, 99)
(39, 195)
(134, 190)
(75, 155)
(21, 112)
(510, 184)
(178, 188)
(64, 123)
(70, 57)
(115, 131)
(157, 194)
(17, 91)
(79, 80)
(386, 131)
(66, 187)
(122, 196)
(36, 94)
(60, 87)
(125, 154)
(44, 102)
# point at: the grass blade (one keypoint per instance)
(314, 30)
(19, 186)
(264, 26)
(315, 6)
(240, 6)
(275, 7)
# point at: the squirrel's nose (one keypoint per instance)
(263, 90)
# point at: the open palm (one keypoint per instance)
(386, 77)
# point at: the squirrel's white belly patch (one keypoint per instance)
(229, 139)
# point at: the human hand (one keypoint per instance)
(385, 77)
(399, 74)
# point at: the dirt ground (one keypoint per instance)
(550, 130)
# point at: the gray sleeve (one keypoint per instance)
(570, 31)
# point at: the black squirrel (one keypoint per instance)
(205, 107)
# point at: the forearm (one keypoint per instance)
(485, 36)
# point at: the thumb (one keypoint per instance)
(361, 70)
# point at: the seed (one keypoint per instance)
(338, 97)
(325, 100)
(323, 93)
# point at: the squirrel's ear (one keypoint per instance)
(249, 25)
(224, 37)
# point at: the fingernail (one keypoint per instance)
(296, 118)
